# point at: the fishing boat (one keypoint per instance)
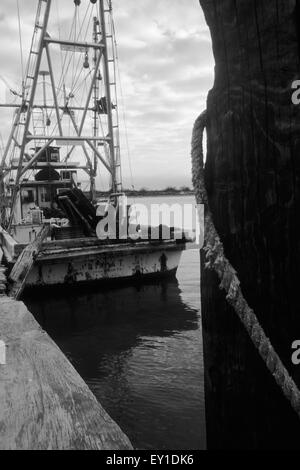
(65, 125)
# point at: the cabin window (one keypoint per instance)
(45, 195)
(66, 175)
(28, 196)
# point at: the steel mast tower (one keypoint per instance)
(23, 132)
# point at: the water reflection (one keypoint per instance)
(139, 349)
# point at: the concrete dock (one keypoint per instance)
(44, 403)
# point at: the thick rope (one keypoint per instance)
(215, 259)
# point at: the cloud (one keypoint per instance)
(166, 68)
(166, 81)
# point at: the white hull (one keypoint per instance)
(66, 267)
(86, 260)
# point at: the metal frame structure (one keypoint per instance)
(21, 136)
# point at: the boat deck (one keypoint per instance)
(64, 249)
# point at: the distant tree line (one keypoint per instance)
(169, 190)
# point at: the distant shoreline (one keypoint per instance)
(150, 193)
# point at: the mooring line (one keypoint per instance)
(216, 260)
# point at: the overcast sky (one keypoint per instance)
(166, 68)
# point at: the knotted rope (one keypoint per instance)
(216, 260)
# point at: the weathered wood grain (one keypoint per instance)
(252, 175)
(11, 249)
(24, 264)
(44, 403)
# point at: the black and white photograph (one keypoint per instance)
(149, 227)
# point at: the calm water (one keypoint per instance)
(140, 351)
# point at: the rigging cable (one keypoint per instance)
(66, 66)
(84, 39)
(65, 69)
(21, 42)
(74, 78)
(63, 72)
(61, 82)
(123, 105)
(75, 37)
(59, 34)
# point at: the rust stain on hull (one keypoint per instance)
(104, 266)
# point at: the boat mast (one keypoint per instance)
(108, 96)
(29, 103)
(96, 34)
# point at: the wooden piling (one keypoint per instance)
(44, 403)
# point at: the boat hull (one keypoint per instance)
(67, 266)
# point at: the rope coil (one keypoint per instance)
(216, 260)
